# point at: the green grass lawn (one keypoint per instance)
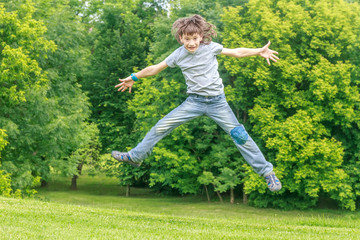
(99, 210)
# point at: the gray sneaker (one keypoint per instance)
(124, 157)
(273, 182)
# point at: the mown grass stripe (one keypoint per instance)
(33, 219)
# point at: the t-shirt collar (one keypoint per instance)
(197, 50)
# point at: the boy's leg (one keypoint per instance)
(222, 114)
(188, 110)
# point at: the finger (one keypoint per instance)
(268, 61)
(123, 80)
(129, 89)
(268, 44)
(272, 58)
(122, 84)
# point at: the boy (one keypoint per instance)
(197, 60)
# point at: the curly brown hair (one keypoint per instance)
(192, 25)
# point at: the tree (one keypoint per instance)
(303, 107)
(229, 180)
(5, 181)
(45, 112)
(120, 42)
(208, 178)
(226, 180)
(88, 153)
(23, 87)
(66, 68)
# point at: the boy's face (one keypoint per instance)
(191, 42)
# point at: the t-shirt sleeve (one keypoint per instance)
(171, 59)
(216, 48)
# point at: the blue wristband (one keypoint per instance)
(133, 77)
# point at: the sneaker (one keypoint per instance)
(273, 182)
(124, 157)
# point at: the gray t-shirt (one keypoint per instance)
(200, 69)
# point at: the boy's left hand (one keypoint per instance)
(268, 54)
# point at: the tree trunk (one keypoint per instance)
(128, 190)
(237, 111)
(74, 183)
(207, 193)
(75, 177)
(245, 117)
(232, 198)
(245, 196)
(44, 183)
(219, 195)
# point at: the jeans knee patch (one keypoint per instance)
(239, 134)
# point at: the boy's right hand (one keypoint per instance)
(125, 84)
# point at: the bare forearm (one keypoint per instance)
(128, 82)
(147, 72)
(264, 52)
(246, 52)
(151, 70)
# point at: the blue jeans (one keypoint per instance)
(217, 108)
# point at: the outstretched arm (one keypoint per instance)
(264, 52)
(146, 72)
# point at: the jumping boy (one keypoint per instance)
(197, 61)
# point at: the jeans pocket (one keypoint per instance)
(190, 99)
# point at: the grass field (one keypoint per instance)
(99, 210)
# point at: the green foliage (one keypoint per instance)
(23, 86)
(65, 68)
(303, 107)
(88, 152)
(126, 174)
(44, 109)
(21, 42)
(206, 178)
(3, 141)
(5, 180)
(120, 39)
(5, 184)
(228, 179)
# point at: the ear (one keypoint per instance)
(201, 38)
(181, 40)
